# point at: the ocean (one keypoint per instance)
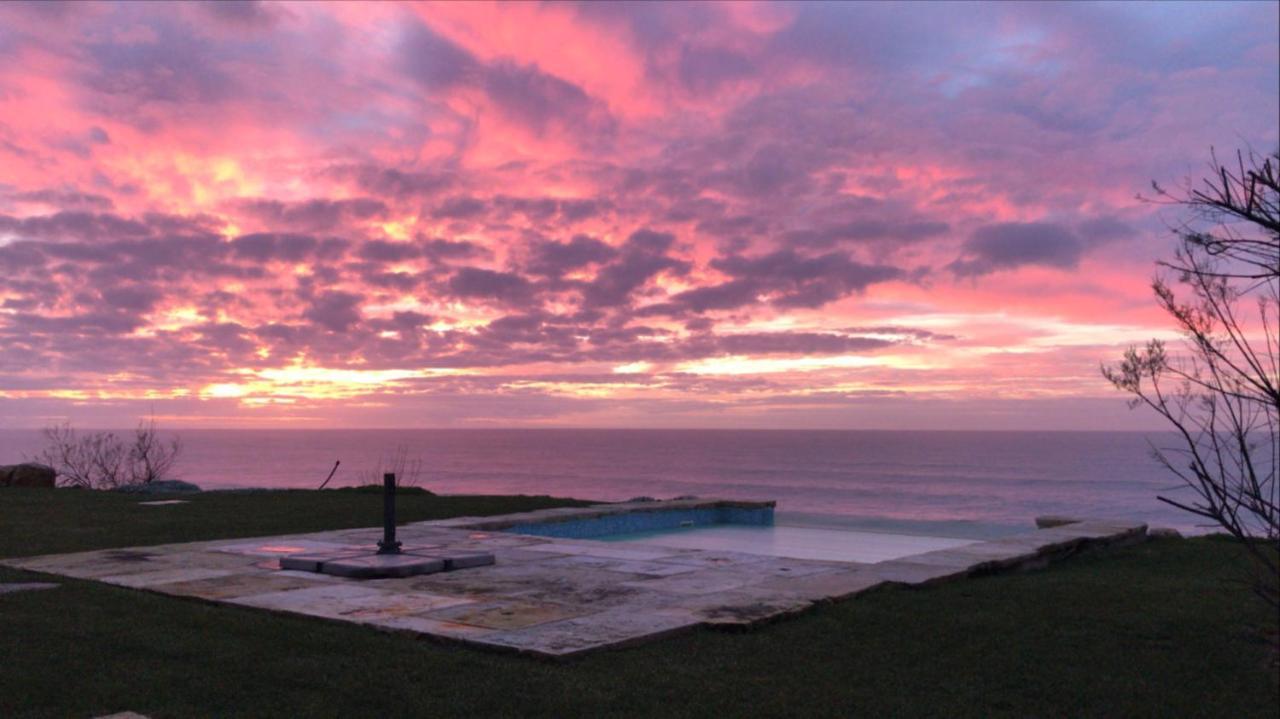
(943, 483)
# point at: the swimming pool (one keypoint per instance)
(726, 526)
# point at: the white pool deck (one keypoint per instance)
(556, 598)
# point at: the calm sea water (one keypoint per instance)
(947, 483)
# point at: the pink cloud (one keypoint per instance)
(716, 213)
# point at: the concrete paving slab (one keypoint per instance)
(828, 586)
(235, 585)
(349, 601)
(903, 571)
(503, 555)
(776, 567)
(694, 558)
(547, 596)
(280, 548)
(143, 580)
(704, 582)
(743, 607)
(441, 629)
(15, 587)
(506, 615)
(604, 630)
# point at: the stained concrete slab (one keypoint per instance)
(140, 580)
(349, 601)
(237, 585)
(505, 615)
(543, 596)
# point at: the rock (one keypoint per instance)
(641, 499)
(27, 474)
(1164, 533)
(1052, 520)
(161, 486)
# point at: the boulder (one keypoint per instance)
(160, 486)
(1049, 521)
(27, 474)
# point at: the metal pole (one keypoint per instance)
(388, 545)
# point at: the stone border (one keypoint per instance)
(556, 598)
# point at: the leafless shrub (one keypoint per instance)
(1221, 394)
(104, 460)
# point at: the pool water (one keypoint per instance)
(756, 529)
(796, 542)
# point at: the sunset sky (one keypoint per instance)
(600, 215)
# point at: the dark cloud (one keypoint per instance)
(315, 214)
(174, 66)
(522, 93)
(133, 298)
(1015, 244)
(460, 208)
(641, 258)
(75, 225)
(550, 209)
(792, 280)
(434, 61)
(772, 169)
(65, 199)
(706, 69)
(783, 278)
(286, 247)
(868, 230)
(1103, 229)
(384, 251)
(553, 259)
(540, 101)
(397, 183)
(799, 343)
(241, 13)
(438, 250)
(482, 284)
(724, 296)
(335, 311)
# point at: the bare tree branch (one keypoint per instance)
(1225, 405)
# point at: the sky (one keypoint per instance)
(722, 215)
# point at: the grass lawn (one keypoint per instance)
(1158, 629)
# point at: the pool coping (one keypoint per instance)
(551, 597)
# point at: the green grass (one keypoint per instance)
(39, 521)
(1153, 630)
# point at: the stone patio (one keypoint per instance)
(546, 596)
